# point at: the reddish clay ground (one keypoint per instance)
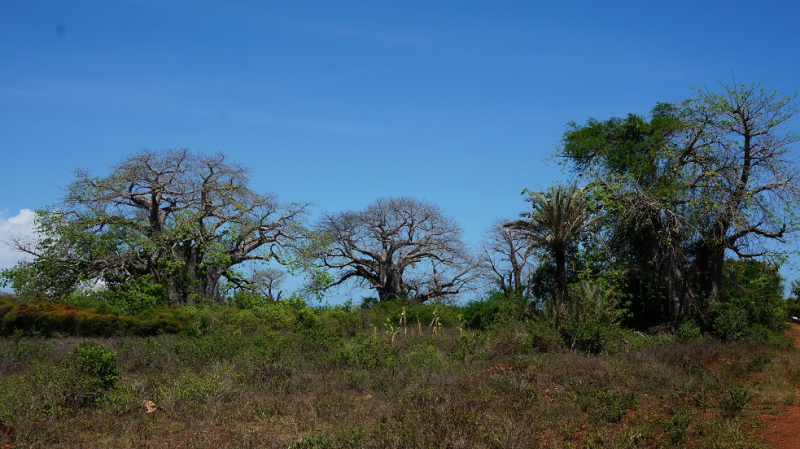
(783, 430)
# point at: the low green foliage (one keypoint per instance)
(313, 385)
(409, 375)
(732, 404)
(604, 404)
(54, 319)
(497, 307)
(589, 338)
(99, 365)
(688, 331)
(677, 428)
(730, 322)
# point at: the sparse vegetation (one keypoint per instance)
(288, 375)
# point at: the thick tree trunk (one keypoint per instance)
(710, 263)
(393, 288)
(211, 282)
(676, 291)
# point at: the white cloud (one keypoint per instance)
(19, 226)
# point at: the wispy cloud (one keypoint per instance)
(259, 13)
(331, 29)
(307, 124)
(163, 100)
(18, 226)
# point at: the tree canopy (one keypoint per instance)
(401, 247)
(702, 177)
(175, 219)
(556, 220)
(667, 215)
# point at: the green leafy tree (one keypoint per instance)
(180, 219)
(634, 167)
(556, 221)
(702, 177)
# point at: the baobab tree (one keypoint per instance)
(507, 257)
(401, 247)
(173, 219)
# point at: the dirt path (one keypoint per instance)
(783, 430)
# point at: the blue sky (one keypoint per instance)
(339, 103)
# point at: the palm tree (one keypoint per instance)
(556, 219)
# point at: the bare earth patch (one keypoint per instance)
(783, 431)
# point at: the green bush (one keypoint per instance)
(732, 405)
(592, 303)
(542, 336)
(217, 345)
(498, 306)
(365, 351)
(280, 315)
(155, 322)
(5, 307)
(604, 404)
(590, 338)
(729, 322)
(756, 288)
(65, 319)
(48, 319)
(792, 304)
(676, 428)
(339, 320)
(248, 300)
(688, 331)
(416, 314)
(99, 365)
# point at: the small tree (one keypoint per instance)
(556, 220)
(507, 257)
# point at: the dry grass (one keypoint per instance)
(317, 388)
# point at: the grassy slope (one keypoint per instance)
(320, 386)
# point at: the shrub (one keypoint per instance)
(729, 322)
(99, 365)
(137, 296)
(449, 316)
(604, 404)
(47, 319)
(687, 332)
(542, 336)
(339, 320)
(6, 306)
(584, 337)
(50, 318)
(154, 322)
(365, 351)
(248, 300)
(217, 345)
(593, 303)
(496, 307)
(756, 288)
(676, 428)
(734, 403)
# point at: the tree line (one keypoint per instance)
(663, 217)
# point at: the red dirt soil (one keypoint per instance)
(783, 431)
